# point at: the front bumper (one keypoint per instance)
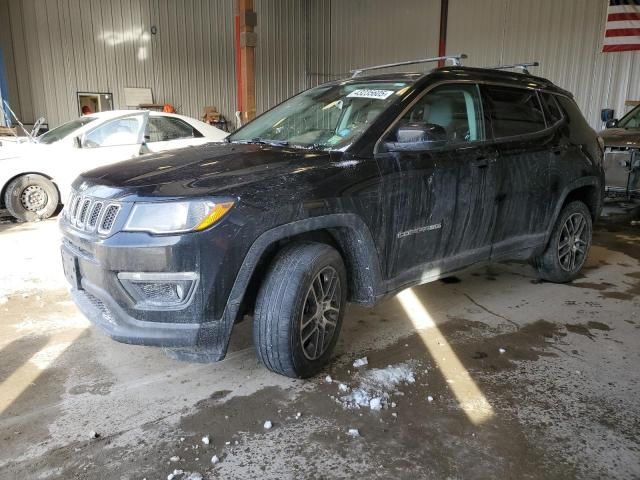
(98, 269)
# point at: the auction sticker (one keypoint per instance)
(371, 93)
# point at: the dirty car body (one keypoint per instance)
(422, 181)
(622, 156)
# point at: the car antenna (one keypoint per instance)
(521, 67)
(454, 59)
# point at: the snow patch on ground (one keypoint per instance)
(376, 386)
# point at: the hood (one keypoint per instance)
(221, 169)
(621, 137)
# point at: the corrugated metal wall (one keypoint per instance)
(65, 46)
(68, 46)
(342, 34)
(565, 37)
(302, 43)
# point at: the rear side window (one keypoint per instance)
(552, 112)
(163, 129)
(513, 111)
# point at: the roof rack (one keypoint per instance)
(522, 67)
(455, 60)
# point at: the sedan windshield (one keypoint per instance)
(63, 130)
(324, 117)
(631, 119)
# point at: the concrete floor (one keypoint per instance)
(561, 401)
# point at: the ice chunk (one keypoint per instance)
(268, 425)
(194, 476)
(93, 434)
(298, 415)
(361, 362)
(205, 440)
(430, 398)
(501, 350)
(375, 403)
(343, 388)
(215, 459)
(378, 383)
(328, 379)
(353, 432)
(178, 471)
(174, 459)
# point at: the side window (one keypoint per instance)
(447, 115)
(122, 131)
(163, 129)
(552, 111)
(513, 111)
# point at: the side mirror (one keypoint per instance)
(416, 136)
(613, 123)
(607, 114)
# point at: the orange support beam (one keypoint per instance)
(246, 40)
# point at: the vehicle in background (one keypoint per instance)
(348, 192)
(36, 175)
(622, 154)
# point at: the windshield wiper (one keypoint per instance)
(266, 141)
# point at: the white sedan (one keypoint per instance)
(35, 176)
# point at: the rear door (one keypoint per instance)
(438, 195)
(523, 189)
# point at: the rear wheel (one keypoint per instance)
(299, 309)
(31, 197)
(569, 245)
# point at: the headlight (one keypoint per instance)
(175, 217)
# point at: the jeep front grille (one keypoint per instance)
(109, 218)
(91, 214)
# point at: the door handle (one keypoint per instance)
(482, 162)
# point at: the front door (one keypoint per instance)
(437, 175)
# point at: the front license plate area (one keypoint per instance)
(71, 270)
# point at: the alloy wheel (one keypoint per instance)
(572, 247)
(320, 313)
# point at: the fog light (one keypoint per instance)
(159, 290)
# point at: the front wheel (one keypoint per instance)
(299, 309)
(569, 245)
(31, 197)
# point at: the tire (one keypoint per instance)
(291, 337)
(31, 197)
(568, 246)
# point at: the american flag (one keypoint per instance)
(622, 32)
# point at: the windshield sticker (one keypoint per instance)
(370, 93)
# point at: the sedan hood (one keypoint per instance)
(222, 169)
(621, 137)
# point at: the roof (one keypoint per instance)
(466, 73)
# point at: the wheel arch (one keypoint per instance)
(347, 233)
(588, 190)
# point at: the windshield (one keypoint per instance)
(63, 130)
(631, 119)
(324, 117)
